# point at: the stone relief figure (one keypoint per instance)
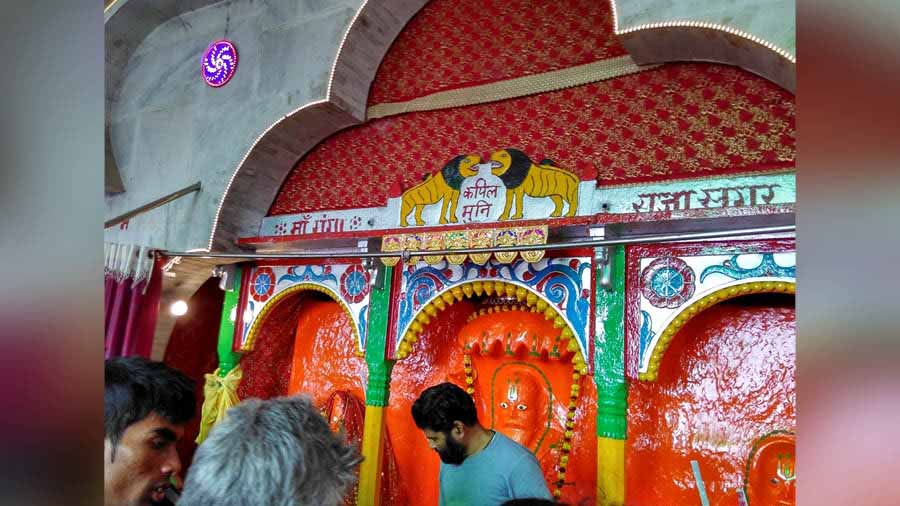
(771, 474)
(523, 384)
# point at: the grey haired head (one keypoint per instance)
(278, 452)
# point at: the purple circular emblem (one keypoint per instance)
(219, 62)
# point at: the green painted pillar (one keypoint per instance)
(227, 358)
(612, 389)
(377, 391)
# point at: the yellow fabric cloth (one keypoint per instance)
(219, 394)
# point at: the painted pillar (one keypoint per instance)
(612, 389)
(377, 392)
(228, 359)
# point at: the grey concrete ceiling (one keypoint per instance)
(126, 24)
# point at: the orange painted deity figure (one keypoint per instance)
(520, 404)
(771, 471)
(515, 370)
(521, 410)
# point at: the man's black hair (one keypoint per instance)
(441, 405)
(136, 387)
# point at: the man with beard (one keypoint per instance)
(479, 467)
(145, 408)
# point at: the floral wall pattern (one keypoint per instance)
(678, 121)
(457, 43)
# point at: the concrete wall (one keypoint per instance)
(771, 20)
(168, 129)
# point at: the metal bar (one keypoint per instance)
(152, 205)
(592, 243)
(701, 488)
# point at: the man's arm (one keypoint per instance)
(527, 480)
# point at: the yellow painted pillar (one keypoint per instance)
(377, 390)
(370, 469)
(610, 472)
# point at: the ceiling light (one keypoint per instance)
(178, 308)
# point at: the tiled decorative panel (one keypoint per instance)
(565, 284)
(348, 284)
(662, 281)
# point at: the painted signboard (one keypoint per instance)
(493, 190)
(510, 186)
(717, 193)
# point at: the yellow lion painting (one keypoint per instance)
(441, 186)
(523, 177)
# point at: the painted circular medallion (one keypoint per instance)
(354, 284)
(668, 282)
(262, 284)
(219, 63)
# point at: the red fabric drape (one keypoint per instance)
(192, 350)
(131, 314)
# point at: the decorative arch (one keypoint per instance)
(661, 342)
(250, 336)
(694, 40)
(265, 286)
(559, 288)
(663, 280)
(535, 302)
(257, 178)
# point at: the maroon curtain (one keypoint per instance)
(130, 313)
(192, 350)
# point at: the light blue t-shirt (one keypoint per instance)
(503, 470)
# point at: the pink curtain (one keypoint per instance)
(130, 311)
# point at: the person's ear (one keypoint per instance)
(459, 430)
